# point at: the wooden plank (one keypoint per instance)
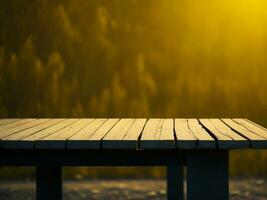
(158, 134)
(224, 141)
(15, 124)
(255, 140)
(14, 141)
(238, 141)
(256, 124)
(253, 127)
(58, 139)
(205, 141)
(124, 135)
(185, 137)
(95, 140)
(117, 133)
(213, 130)
(28, 142)
(130, 140)
(31, 123)
(81, 139)
(7, 121)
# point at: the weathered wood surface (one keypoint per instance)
(227, 138)
(124, 134)
(158, 134)
(191, 135)
(91, 136)
(131, 133)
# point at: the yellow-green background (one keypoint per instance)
(135, 58)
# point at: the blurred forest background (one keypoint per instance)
(135, 58)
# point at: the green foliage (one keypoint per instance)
(136, 58)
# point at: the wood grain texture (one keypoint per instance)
(131, 133)
(14, 124)
(256, 141)
(158, 133)
(57, 140)
(238, 142)
(21, 127)
(124, 135)
(7, 121)
(226, 138)
(14, 141)
(256, 124)
(185, 137)
(29, 141)
(81, 138)
(252, 127)
(205, 140)
(130, 140)
(117, 133)
(91, 137)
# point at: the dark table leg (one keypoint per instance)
(207, 175)
(175, 183)
(48, 183)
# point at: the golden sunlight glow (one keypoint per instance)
(147, 53)
(233, 27)
(136, 58)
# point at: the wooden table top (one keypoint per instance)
(131, 133)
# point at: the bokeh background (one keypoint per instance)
(135, 58)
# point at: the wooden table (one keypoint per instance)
(202, 145)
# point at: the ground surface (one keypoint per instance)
(246, 189)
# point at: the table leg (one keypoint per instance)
(175, 183)
(48, 183)
(207, 175)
